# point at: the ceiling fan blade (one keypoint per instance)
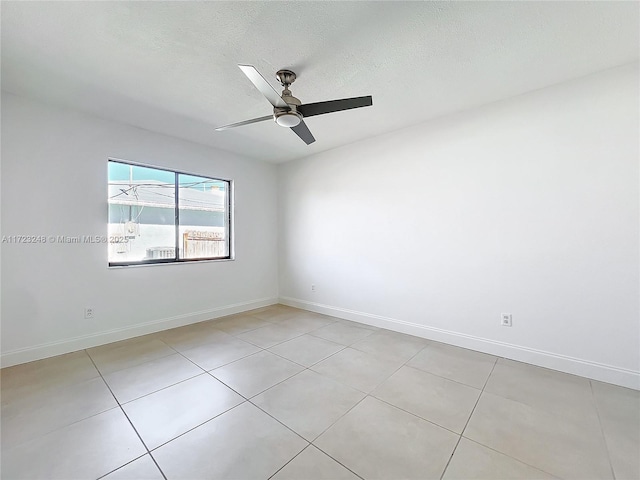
(303, 132)
(265, 87)
(246, 122)
(320, 108)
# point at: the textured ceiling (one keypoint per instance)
(171, 66)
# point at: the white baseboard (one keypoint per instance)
(563, 363)
(38, 352)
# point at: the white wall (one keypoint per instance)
(54, 182)
(527, 206)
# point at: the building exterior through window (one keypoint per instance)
(161, 216)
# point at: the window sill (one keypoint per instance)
(180, 262)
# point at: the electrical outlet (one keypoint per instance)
(506, 320)
(88, 312)
(313, 288)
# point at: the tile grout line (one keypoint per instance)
(554, 476)
(129, 420)
(287, 463)
(270, 346)
(163, 388)
(469, 419)
(604, 438)
(325, 430)
(142, 363)
(223, 364)
(305, 366)
(279, 421)
(121, 466)
(199, 425)
(309, 332)
(311, 444)
(208, 372)
(414, 414)
(337, 461)
(235, 334)
(479, 396)
(145, 363)
(74, 422)
(440, 376)
(366, 353)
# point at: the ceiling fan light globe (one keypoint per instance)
(288, 120)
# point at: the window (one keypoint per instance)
(162, 216)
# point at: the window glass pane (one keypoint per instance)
(141, 213)
(204, 217)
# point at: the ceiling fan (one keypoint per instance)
(288, 111)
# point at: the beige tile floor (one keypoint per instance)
(287, 394)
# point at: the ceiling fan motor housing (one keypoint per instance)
(288, 117)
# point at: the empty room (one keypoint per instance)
(305, 240)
